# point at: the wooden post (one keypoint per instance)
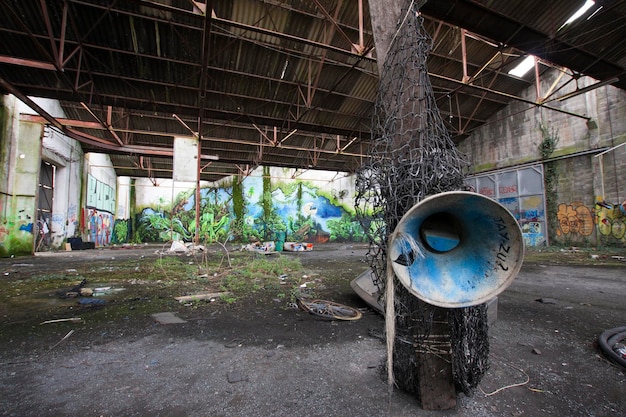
(434, 371)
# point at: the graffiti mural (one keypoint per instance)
(252, 209)
(521, 192)
(99, 226)
(16, 231)
(574, 219)
(530, 215)
(611, 220)
(121, 231)
(98, 214)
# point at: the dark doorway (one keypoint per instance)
(44, 206)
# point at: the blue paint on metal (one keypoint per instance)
(487, 258)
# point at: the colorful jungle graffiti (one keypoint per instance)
(251, 209)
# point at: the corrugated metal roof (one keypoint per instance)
(287, 82)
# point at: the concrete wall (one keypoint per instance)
(100, 194)
(19, 186)
(582, 178)
(67, 156)
(24, 146)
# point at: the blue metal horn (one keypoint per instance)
(457, 249)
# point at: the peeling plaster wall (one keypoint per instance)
(512, 139)
(21, 160)
(68, 159)
(67, 156)
(24, 146)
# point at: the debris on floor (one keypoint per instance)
(297, 247)
(91, 301)
(546, 300)
(265, 247)
(328, 309)
(167, 318)
(198, 297)
(71, 320)
(235, 376)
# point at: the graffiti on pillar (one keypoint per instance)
(574, 220)
(121, 231)
(16, 232)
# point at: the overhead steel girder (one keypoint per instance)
(471, 15)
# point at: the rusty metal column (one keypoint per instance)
(206, 36)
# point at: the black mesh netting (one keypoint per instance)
(412, 156)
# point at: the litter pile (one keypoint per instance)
(86, 295)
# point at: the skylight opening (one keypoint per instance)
(523, 67)
(529, 62)
(588, 4)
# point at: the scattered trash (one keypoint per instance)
(611, 343)
(620, 349)
(167, 318)
(265, 247)
(329, 309)
(71, 332)
(536, 351)
(546, 300)
(297, 247)
(73, 292)
(71, 320)
(86, 292)
(178, 247)
(197, 297)
(91, 301)
(235, 376)
(234, 343)
(102, 291)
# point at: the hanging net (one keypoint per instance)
(411, 157)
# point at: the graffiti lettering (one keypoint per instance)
(487, 191)
(610, 220)
(504, 248)
(574, 219)
(507, 189)
(577, 220)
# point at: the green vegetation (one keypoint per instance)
(551, 176)
(149, 285)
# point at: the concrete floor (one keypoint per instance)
(266, 359)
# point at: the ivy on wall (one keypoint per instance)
(550, 140)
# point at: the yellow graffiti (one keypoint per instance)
(574, 218)
(610, 220)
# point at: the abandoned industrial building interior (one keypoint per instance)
(326, 207)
